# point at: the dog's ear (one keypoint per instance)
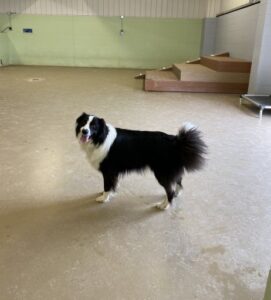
(80, 117)
(103, 130)
(102, 124)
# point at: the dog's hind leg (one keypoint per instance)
(168, 199)
(168, 186)
(179, 187)
(110, 183)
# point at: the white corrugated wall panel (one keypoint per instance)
(213, 8)
(138, 8)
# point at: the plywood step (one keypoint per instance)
(218, 73)
(198, 72)
(226, 64)
(161, 75)
(194, 78)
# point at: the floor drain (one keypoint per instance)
(35, 79)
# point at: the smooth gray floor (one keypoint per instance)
(58, 243)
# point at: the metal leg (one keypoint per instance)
(240, 100)
(261, 113)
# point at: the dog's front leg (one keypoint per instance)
(110, 183)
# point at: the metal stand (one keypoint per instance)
(261, 101)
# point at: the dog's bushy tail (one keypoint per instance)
(192, 147)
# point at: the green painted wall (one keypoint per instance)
(4, 56)
(95, 41)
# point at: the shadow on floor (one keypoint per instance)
(79, 215)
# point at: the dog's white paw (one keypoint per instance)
(178, 191)
(105, 197)
(163, 205)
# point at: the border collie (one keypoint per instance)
(116, 151)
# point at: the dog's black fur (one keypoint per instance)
(168, 156)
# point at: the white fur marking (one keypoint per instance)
(163, 205)
(178, 191)
(90, 118)
(188, 126)
(105, 197)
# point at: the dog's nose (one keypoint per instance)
(85, 131)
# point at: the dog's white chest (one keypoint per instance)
(96, 154)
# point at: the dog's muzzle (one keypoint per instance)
(85, 136)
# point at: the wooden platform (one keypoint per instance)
(198, 72)
(226, 64)
(219, 74)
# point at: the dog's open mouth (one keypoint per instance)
(84, 139)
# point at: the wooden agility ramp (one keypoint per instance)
(218, 73)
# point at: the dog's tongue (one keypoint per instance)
(83, 139)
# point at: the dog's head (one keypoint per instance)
(90, 129)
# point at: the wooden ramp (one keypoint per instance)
(213, 74)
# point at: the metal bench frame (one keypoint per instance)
(261, 105)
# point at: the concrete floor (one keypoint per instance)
(58, 243)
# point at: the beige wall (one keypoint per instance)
(229, 4)
(260, 82)
(236, 32)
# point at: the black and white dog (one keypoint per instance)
(116, 151)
